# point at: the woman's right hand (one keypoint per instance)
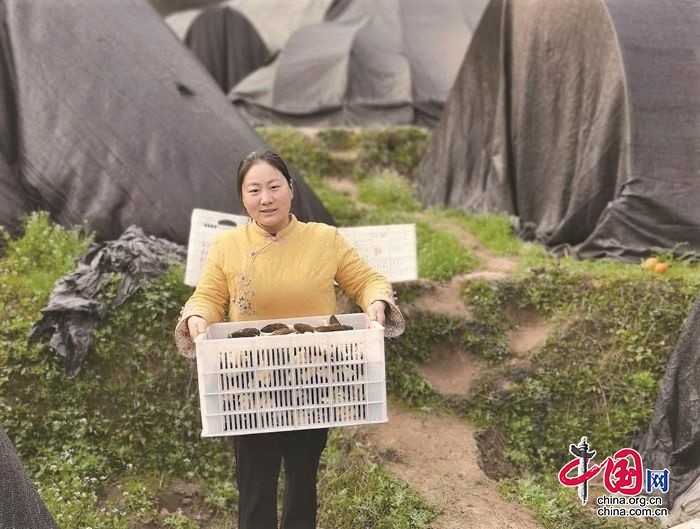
(196, 325)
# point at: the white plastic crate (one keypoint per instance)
(274, 383)
(204, 226)
(390, 249)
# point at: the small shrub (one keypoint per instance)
(56, 247)
(301, 154)
(397, 148)
(337, 139)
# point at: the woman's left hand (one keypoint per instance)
(377, 311)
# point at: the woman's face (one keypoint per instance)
(267, 197)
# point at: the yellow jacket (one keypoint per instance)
(254, 276)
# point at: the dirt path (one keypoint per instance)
(437, 456)
(436, 453)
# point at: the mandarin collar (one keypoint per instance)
(280, 234)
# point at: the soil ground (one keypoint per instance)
(436, 453)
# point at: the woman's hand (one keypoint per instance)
(196, 325)
(377, 311)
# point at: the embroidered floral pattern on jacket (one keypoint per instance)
(243, 301)
(245, 292)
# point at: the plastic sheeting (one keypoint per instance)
(370, 62)
(227, 44)
(20, 503)
(273, 20)
(106, 120)
(581, 119)
(234, 38)
(673, 438)
(75, 308)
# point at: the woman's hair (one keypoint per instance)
(270, 157)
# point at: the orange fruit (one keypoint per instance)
(650, 263)
(661, 268)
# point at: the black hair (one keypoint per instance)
(254, 157)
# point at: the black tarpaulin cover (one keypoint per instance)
(21, 507)
(582, 119)
(273, 20)
(226, 44)
(107, 120)
(235, 37)
(370, 62)
(76, 307)
(672, 440)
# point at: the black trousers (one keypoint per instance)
(258, 461)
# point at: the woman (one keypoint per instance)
(279, 267)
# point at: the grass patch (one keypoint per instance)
(440, 254)
(491, 230)
(387, 189)
(597, 377)
(342, 208)
(356, 492)
(403, 354)
(556, 507)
